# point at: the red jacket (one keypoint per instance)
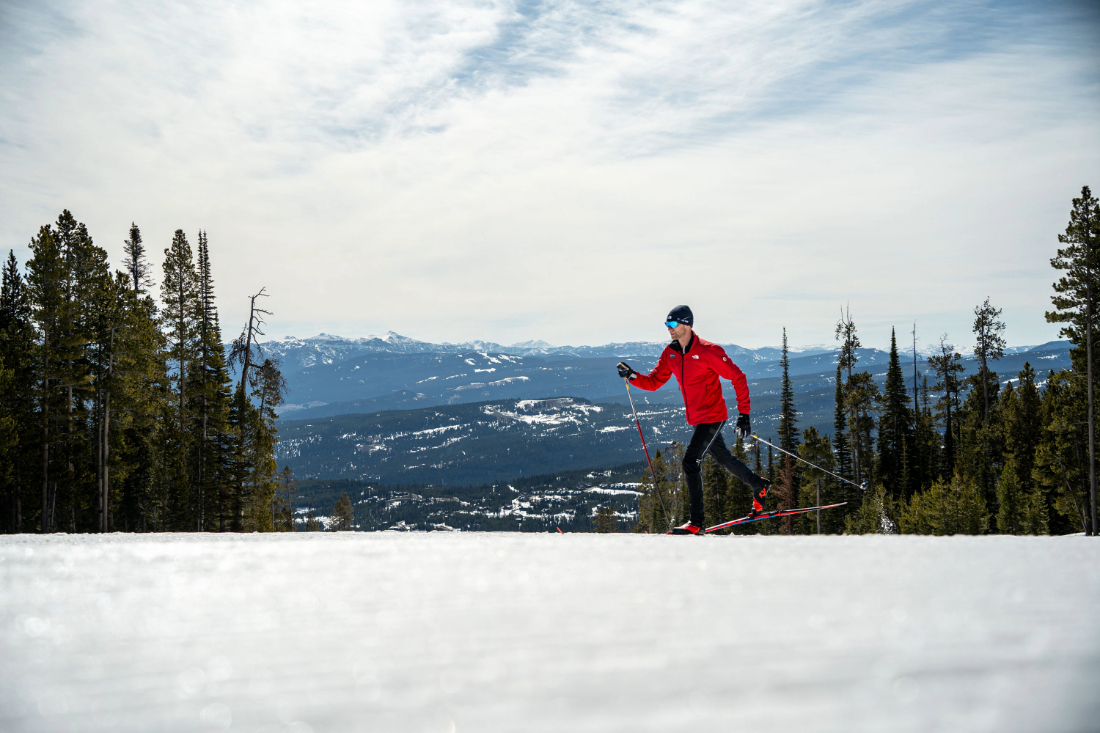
(697, 373)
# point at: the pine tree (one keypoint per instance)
(926, 441)
(989, 345)
(606, 523)
(847, 357)
(17, 398)
(948, 367)
(1075, 303)
(818, 487)
(1022, 412)
(46, 292)
(841, 448)
(946, 508)
(981, 443)
(211, 390)
(269, 388)
(862, 396)
(788, 415)
(343, 514)
(135, 264)
(179, 295)
(894, 434)
(1011, 498)
(1061, 473)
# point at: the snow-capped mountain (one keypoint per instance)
(330, 375)
(296, 354)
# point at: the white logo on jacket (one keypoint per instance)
(694, 356)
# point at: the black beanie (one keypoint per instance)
(681, 314)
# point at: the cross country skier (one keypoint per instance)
(697, 364)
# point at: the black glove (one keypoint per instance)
(625, 371)
(742, 428)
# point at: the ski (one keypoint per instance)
(770, 515)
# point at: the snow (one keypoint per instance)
(451, 631)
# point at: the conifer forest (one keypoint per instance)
(123, 409)
(119, 412)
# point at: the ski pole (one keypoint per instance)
(861, 487)
(652, 473)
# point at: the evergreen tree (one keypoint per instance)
(926, 441)
(290, 486)
(1022, 414)
(135, 263)
(17, 401)
(1061, 472)
(1075, 303)
(144, 428)
(343, 514)
(818, 487)
(180, 299)
(946, 508)
(211, 390)
(788, 415)
(989, 345)
(847, 357)
(269, 388)
(606, 523)
(841, 448)
(1011, 501)
(47, 292)
(894, 435)
(862, 396)
(948, 368)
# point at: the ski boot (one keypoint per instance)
(758, 501)
(687, 528)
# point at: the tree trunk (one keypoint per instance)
(1088, 367)
(45, 528)
(985, 392)
(105, 515)
(819, 504)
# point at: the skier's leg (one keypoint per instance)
(693, 473)
(734, 465)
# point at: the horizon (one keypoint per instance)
(794, 348)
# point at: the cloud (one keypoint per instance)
(565, 170)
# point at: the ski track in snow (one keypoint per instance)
(534, 632)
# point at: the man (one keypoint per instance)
(697, 364)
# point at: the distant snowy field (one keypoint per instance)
(524, 632)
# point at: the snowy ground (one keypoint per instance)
(522, 632)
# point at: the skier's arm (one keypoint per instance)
(725, 367)
(655, 379)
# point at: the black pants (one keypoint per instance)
(710, 433)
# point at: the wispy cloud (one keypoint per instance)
(510, 169)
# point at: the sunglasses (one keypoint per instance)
(672, 324)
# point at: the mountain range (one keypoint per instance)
(396, 411)
(328, 375)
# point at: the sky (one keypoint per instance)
(567, 171)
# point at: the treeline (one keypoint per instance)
(118, 413)
(958, 456)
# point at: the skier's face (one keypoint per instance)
(678, 333)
